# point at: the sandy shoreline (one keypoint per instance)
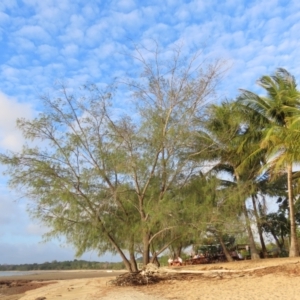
(264, 279)
(15, 287)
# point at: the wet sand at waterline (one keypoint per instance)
(277, 278)
(63, 275)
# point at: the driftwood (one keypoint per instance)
(134, 279)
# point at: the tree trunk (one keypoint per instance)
(133, 263)
(178, 250)
(254, 254)
(118, 249)
(155, 254)
(294, 249)
(154, 259)
(146, 249)
(279, 245)
(124, 258)
(260, 232)
(227, 254)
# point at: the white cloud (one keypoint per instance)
(41, 6)
(17, 60)
(10, 110)
(70, 50)
(34, 33)
(36, 229)
(4, 18)
(96, 32)
(73, 31)
(124, 5)
(20, 253)
(129, 20)
(9, 211)
(159, 30)
(24, 45)
(90, 10)
(10, 73)
(8, 4)
(183, 15)
(47, 52)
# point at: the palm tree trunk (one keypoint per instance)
(294, 249)
(260, 233)
(254, 253)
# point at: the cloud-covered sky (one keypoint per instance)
(79, 41)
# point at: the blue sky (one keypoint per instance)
(79, 41)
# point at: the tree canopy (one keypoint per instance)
(137, 183)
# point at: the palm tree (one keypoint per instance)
(278, 113)
(225, 141)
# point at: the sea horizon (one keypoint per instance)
(18, 273)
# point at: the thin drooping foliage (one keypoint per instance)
(110, 183)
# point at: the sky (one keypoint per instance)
(79, 41)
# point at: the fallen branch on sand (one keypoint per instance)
(213, 271)
(133, 279)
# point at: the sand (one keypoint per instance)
(263, 279)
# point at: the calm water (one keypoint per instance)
(16, 273)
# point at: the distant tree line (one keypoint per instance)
(65, 265)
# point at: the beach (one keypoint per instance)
(14, 287)
(264, 279)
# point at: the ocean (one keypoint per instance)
(16, 273)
